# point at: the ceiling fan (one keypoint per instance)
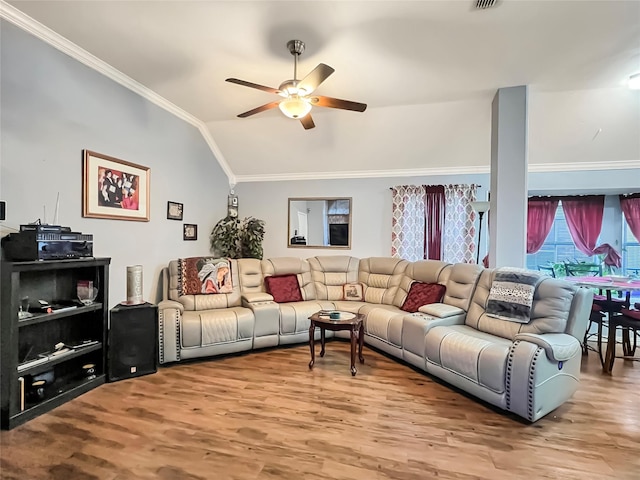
(298, 100)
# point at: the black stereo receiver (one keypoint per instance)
(47, 244)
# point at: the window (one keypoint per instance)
(631, 251)
(558, 247)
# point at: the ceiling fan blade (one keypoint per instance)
(253, 85)
(307, 122)
(315, 77)
(262, 108)
(321, 101)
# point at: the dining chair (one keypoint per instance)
(583, 269)
(629, 321)
(597, 316)
(548, 269)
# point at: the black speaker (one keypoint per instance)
(133, 341)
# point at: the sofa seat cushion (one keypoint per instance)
(477, 356)
(368, 307)
(385, 324)
(348, 306)
(210, 327)
(294, 316)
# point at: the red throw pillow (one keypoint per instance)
(422, 294)
(283, 288)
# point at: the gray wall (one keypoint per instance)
(371, 210)
(371, 219)
(52, 108)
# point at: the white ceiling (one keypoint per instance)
(403, 58)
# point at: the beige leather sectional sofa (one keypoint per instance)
(529, 369)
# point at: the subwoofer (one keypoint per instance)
(133, 341)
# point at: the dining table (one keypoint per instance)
(609, 284)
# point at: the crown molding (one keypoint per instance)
(416, 172)
(35, 28)
(426, 172)
(582, 166)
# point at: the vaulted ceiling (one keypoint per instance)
(427, 69)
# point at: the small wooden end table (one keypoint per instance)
(347, 321)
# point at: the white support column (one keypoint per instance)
(508, 213)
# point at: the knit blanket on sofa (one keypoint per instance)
(511, 294)
(204, 275)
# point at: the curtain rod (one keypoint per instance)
(479, 186)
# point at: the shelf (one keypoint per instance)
(43, 265)
(45, 317)
(43, 367)
(72, 390)
(54, 280)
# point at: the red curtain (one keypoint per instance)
(630, 206)
(434, 224)
(611, 255)
(540, 214)
(584, 219)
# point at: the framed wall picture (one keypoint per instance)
(114, 189)
(174, 211)
(190, 231)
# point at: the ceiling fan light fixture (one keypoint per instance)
(634, 82)
(295, 107)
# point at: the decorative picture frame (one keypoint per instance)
(114, 189)
(174, 210)
(190, 231)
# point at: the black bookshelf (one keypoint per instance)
(34, 376)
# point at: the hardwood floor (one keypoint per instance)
(264, 415)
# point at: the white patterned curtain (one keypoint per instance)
(459, 225)
(408, 224)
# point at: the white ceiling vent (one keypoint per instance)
(484, 4)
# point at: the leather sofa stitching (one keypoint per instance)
(510, 358)
(161, 336)
(531, 383)
(178, 326)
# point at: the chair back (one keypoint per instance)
(548, 269)
(583, 269)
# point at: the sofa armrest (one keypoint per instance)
(441, 310)
(171, 304)
(169, 318)
(559, 347)
(254, 297)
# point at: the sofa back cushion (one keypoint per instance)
(250, 274)
(283, 288)
(381, 277)
(426, 271)
(203, 301)
(330, 273)
(461, 284)
(292, 265)
(549, 311)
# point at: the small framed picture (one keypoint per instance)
(190, 231)
(174, 211)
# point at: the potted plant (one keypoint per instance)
(233, 238)
(251, 237)
(225, 238)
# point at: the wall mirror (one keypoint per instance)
(319, 222)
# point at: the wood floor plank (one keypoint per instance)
(263, 415)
